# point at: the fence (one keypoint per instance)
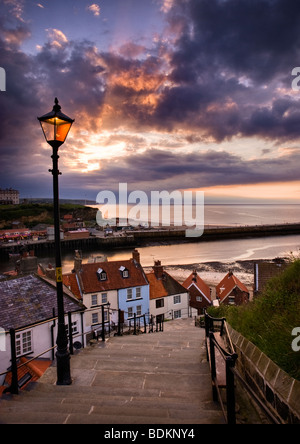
(214, 330)
(136, 325)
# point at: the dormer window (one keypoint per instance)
(124, 272)
(101, 274)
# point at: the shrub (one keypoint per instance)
(269, 319)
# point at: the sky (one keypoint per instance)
(166, 95)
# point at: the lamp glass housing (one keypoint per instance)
(55, 125)
(55, 129)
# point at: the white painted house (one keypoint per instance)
(27, 305)
(168, 298)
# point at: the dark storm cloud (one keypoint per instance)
(192, 170)
(235, 50)
(225, 73)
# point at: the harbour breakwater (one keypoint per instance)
(145, 237)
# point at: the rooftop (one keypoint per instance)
(105, 276)
(227, 284)
(162, 284)
(196, 285)
(30, 299)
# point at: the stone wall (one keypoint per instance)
(275, 387)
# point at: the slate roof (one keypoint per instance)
(27, 300)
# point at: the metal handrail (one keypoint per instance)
(230, 360)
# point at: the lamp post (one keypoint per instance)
(56, 126)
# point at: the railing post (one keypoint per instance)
(71, 349)
(82, 329)
(134, 321)
(222, 326)
(213, 366)
(103, 324)
(14, 389)
(230, 394)
(119, 322)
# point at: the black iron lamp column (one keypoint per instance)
(56, 126)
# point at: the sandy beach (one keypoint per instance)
(213, 272)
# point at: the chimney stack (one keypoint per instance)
(136, 256)
(194, 276)
(158, 269)
(77, 261)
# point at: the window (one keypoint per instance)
(124, 272)
(129, 293)
(101, 274)
(104, 298)
(74, 328)
(94, 300)
(231, 300)
(130, 312)
(177, 299)
(24, 343)
(139, 310)
(177, 314)
(198, 298)
(95, 318)
(138, 293)
(160, 303)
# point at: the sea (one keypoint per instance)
(226, 251)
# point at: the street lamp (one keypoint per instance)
(56, 126)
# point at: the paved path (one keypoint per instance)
(156, 378)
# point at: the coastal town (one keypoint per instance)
(104, 297)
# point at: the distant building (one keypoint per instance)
(264, 271)
(51, 233)
(231, 291)
(9, 197)
(200, 293)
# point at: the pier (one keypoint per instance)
(136, 238)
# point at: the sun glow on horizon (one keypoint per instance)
(277, 191)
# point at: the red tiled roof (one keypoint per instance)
(70, 281)
(157, 290)
(196, 285)
(227, 284)
(33, 369)
(162, 285)
(115, 281)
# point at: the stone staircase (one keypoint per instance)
(156, 378)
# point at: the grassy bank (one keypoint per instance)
(269, 320)
(34, 213)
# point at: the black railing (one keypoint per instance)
(213, 326)
(101, 330)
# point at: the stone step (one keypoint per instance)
(146, 379)
(15, 411)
